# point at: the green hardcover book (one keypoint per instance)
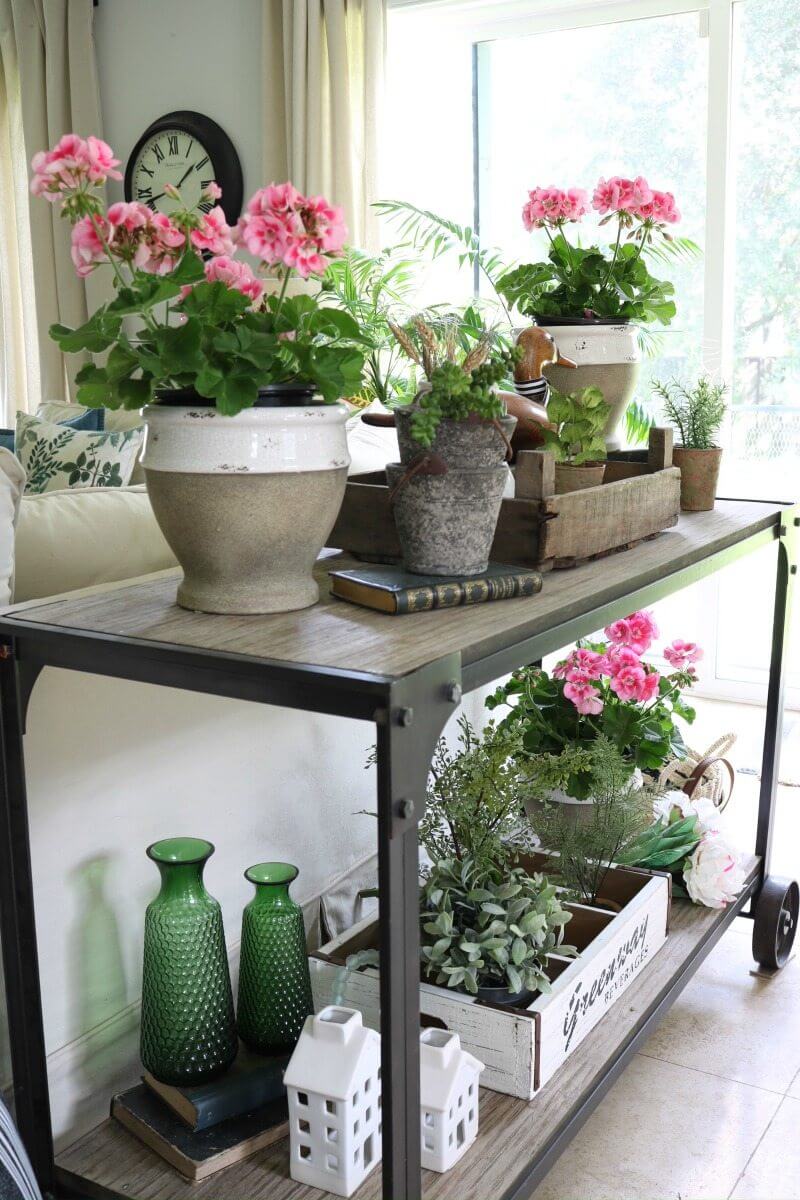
(395, 591)
(198, 1155)
(252, 1081)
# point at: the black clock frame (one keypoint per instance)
(220, 148)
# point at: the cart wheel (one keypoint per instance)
(775, 923)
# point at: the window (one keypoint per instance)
(487, 100)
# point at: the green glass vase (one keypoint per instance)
(188, 1023)
(274, 982)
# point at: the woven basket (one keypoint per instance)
(709, 775)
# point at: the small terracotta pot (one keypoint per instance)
(699, 477)
(570, 478)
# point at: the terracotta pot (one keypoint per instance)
(246, 502)
(570, 478)
(699, 477)
(606, 355)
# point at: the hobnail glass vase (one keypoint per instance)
(274, 982)
(188, 1024)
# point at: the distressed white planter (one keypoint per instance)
(246, 502)
(523, 1049)
(607, 357)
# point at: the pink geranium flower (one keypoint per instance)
(584, 696)
(643, 631)
(72, 163)
(283, 227)
(589, 661)
(680, 654)
(235, 275)
(617, 657)
(618, 632)
(158, 253)
(621, 195)
(214, 234)
(87, 246)
(553, 206)
(661, 210)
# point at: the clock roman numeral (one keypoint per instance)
(199, 165)
(159, 153)
(146, 170)
(189, 145)
(205, 206)
(172, 144)
(144, 193)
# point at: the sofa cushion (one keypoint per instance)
(55, 456)
(12, 485)
(86, 418)
(80, 537)
(114, 420)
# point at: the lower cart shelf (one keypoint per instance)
(518, 1140)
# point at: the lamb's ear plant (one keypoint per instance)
(579, 419)
(695, 412)
(486, 928)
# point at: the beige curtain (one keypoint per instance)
(323, 83)
(48, 87)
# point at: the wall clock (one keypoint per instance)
(190, 151)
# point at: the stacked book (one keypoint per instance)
(203, 1129)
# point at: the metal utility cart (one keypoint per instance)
(406, 675)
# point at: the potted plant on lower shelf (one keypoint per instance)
(696, 413)
(576, 438)
(605, 689)
(454, 439)
(245, 454)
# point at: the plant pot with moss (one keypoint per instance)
(696, 413)
(575, 437)
(454, 439)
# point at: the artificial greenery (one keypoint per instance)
(588, 842)
(638, 423)
(579, 420)
(223, 349)
(490, 928)
(647, 735)
(462, 372)
(473, 807)
(696, 412)
(663, 846)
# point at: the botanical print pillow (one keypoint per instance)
(55, 456)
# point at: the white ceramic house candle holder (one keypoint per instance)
(333, 1084)
(449, 1078)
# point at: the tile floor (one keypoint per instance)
(710, 1109)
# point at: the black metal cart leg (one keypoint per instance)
(18, 931)
(407, 735)
(775, 907)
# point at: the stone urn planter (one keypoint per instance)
(606, 355)
(572, 478)
(471, 443)
(246, 502)
(699, 477)
(446, 522)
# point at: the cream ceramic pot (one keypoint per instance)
(607, 356)
(246, 502)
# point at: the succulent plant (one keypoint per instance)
(484, 928)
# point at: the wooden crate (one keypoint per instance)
(639, 497)
(523, 1048)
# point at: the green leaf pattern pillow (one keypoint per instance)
(55, 457)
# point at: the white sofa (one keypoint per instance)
(114, 765)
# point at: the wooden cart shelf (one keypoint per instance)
(405, 676)
(513, 1133)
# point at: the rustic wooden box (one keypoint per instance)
(639, 497)
(523, 1048)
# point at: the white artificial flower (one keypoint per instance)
(714, 875)
(672, 806)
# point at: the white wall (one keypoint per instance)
(156, 56)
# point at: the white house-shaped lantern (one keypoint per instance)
(448, 1098)
(333, 1084)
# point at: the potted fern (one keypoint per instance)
(575, 438)
(696, 414)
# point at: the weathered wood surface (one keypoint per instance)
(604, 518)
(512, 1132)
(340, 635)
